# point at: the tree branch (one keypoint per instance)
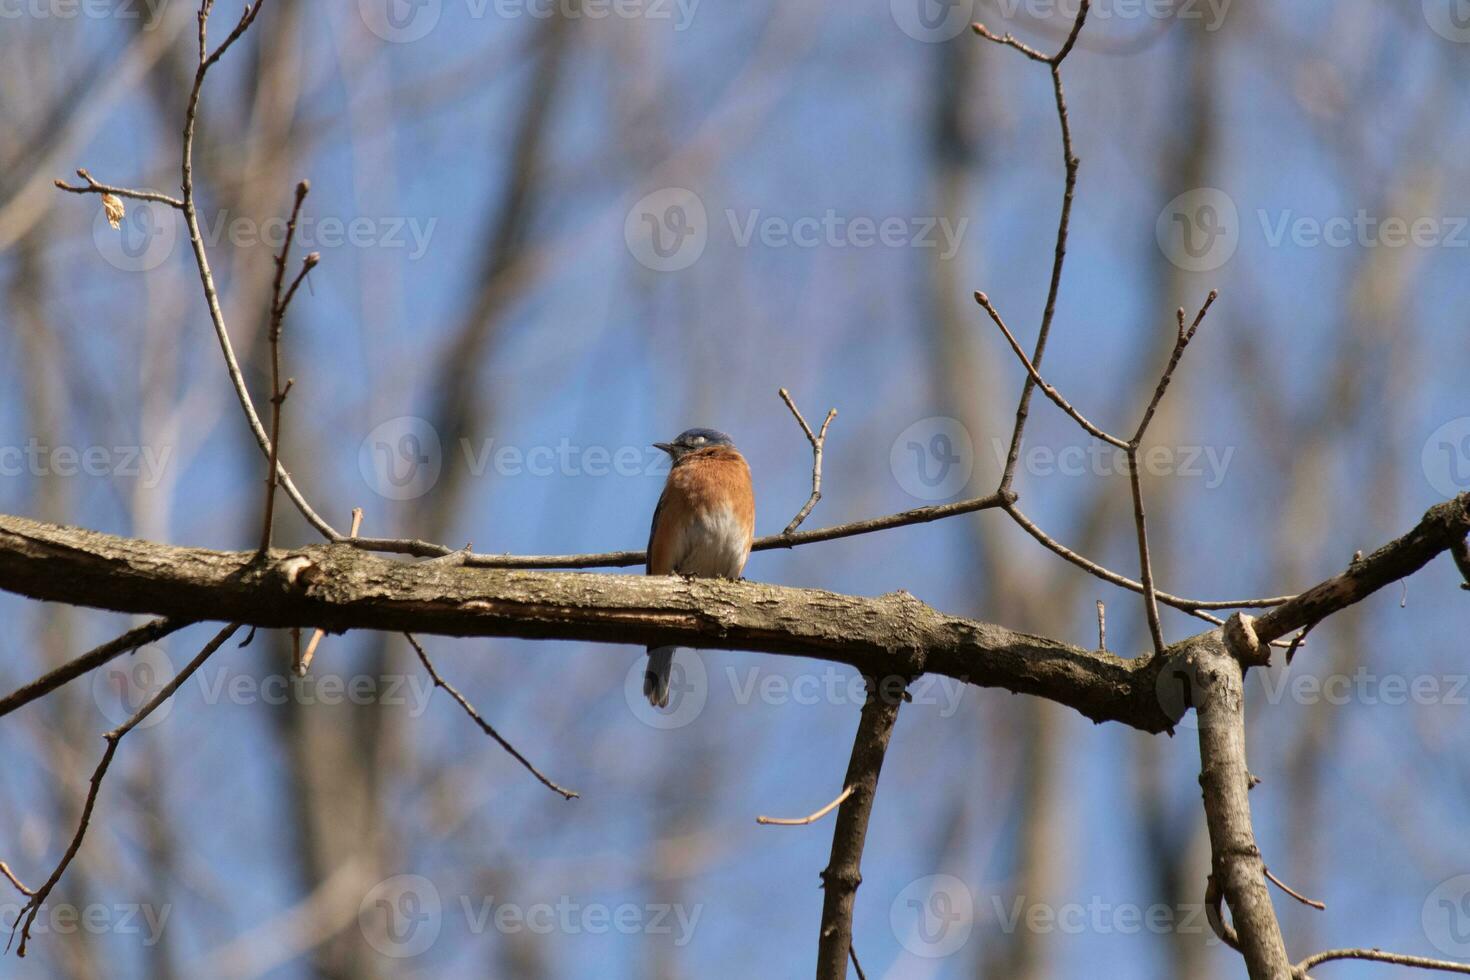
(843, 875)
(27, 915)
(89, 661)
(1442, 527)
(279, 302)
(1299, 972)
(337, 588)
(1070, 162)
(1218, 693)
(818, 441)
(478, 719)
(94, 187)
(206, 275)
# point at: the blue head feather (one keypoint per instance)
(691, 439)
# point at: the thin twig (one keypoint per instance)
(94, 187)
(206, 275)
(1102, 626)
(1182, 339)
(5, 870)
(484, 725)
(852, 951)
(1040, 382)
(92, 659)
(620, 559)
(278, 393)
(303, 663)
(1009, 41)
(1069, 160)
(1298, 640)
(32, 907)
(818, 441)
(1135, 479)
(247, 17)
(1377, 956)
(1195, 607)
(1319, 906)
(810, 818)
(1145, 563)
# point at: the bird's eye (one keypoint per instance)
(699, 440)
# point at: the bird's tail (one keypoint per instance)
(656, 678)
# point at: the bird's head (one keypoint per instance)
(692, 440)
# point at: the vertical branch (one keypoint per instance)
(1237, 869)
(1145, 563)
(207, 60)
(1069, 160)
(843, 875)
(279, 302)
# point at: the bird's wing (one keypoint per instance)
(653, 530)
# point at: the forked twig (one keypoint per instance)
(817, 440)
(1070, 162)
(279, 302)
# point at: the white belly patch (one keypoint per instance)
(712, 547)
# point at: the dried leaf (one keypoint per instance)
(112, 206)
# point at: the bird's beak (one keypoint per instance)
(666, 447)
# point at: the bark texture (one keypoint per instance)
(338, 587)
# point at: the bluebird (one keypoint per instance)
(702, 527)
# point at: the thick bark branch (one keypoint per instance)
(338, 587)
(1216, 685)
(1442, 528)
